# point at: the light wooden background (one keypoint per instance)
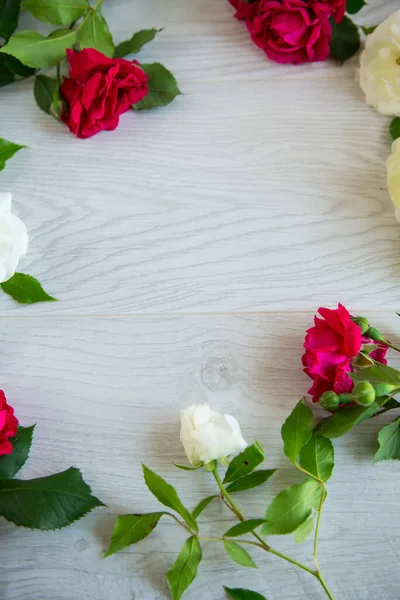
(189, 250)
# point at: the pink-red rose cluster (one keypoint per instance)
(330, 347)
(291, 31)
(8, 425)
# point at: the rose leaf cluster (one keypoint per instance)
(46, 503)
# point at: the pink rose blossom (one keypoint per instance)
(330, 347)
(8, 425)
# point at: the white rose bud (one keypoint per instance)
(13, 239)
(393, 176)
(379, 72)
(207, 435)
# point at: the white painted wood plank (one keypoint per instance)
(106, 392)
(262, 188)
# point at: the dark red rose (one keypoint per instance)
(244, 10)
(98, 90)
(8, 425)
(291, 31)
(333, 8)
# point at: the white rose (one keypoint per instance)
(393, 176)
(13, 239)
(206, 435)
(379, 73)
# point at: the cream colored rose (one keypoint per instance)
(206, 435)
(379, 73)
(13, 239)
(393, 176)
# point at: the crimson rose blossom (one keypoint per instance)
(334, 8)
(98, 90)
(244, 10)
(8, 425)
(330, 347)
(290, 31)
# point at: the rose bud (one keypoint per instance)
(362, 322)
(364, 394)
(207, 435)
(329, 401)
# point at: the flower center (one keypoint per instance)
(398, 61)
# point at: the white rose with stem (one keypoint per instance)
(208, 436)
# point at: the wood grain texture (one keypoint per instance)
(261, 188)
(261, 191)
(106, 394)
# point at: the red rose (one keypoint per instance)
(98, 90)
(244, 10)
(291, 31)
(330, 347)
(8, 425)
(333, 8)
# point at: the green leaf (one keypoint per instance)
(317, 457)
(239, 555)
(250, 481)
(6, 75)
(395, 128)
(44, 90)
(242, 594)
(392, 403)
(131, 529)
(345, 40)
(202, 505)
(57, 12)
(245, 462)
(47, 503)
(348, 417)
(25, 289)
(369, 30)
(9, 15)
(163, 87)
(16, 66)
(37, 51)
(389, 442)
(244, 527)
(167, 495)
(353, 6)
(296, 431)
(10, 464)
(289, 509)
(184, 569)
(304, 530)
(94, 33)
(377, 375)
(137, 41)
(7, 151)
